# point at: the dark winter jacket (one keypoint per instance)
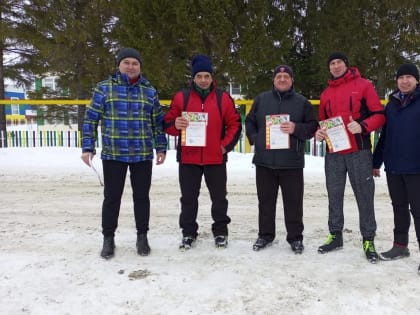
(352, 95)
(301, 113)
(224, 126)
(399, 145)
(131, 120)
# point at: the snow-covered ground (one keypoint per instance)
(50, 239)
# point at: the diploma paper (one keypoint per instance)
(195, 134)
(275, 138)
(338, 139)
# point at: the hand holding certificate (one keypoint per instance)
(337, 138)
(275, 137)
(195, 134)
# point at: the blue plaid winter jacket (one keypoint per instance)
(131, 120)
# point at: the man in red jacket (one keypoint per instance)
(355, 100)
(208, 126)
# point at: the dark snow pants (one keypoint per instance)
(404, 190)
(268, 182)
(114, 179)
(190, 176)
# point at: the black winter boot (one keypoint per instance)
(297, 246)
(370, 251)
(261, 243)
(221, 241)
(396, 252)
(143, 248)
(334, 241)
(187, 243)
(108, 247)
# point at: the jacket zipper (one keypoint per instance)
(359, 135)
(202, 149)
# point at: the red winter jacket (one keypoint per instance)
(352, 95)
(223, 128)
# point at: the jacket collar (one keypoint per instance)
(124, 80)
(281, 95)
(351, 74)
(409, 98)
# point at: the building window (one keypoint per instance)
(14, 107)
(234, 89)
(49, 83)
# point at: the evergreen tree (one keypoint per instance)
(259, 43)
(376, 36)
(71, 40)
(246, 39)
(169, 33)
(11, 14)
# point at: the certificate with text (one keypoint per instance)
(275, 138)
(195, 134)
(337, 140)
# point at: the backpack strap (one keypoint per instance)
(186, 93)
(219, 95)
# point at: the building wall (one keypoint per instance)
(18, 117)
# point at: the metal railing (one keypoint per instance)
(30, 139)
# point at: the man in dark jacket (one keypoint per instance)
(355, 101)
(399, 148)
(219, 132)
(278, 124)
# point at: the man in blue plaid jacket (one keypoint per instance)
(131, 117)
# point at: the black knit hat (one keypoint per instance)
(283, 68)
(337, 55)
(408, 69)
(127, 53)
(201, 63)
